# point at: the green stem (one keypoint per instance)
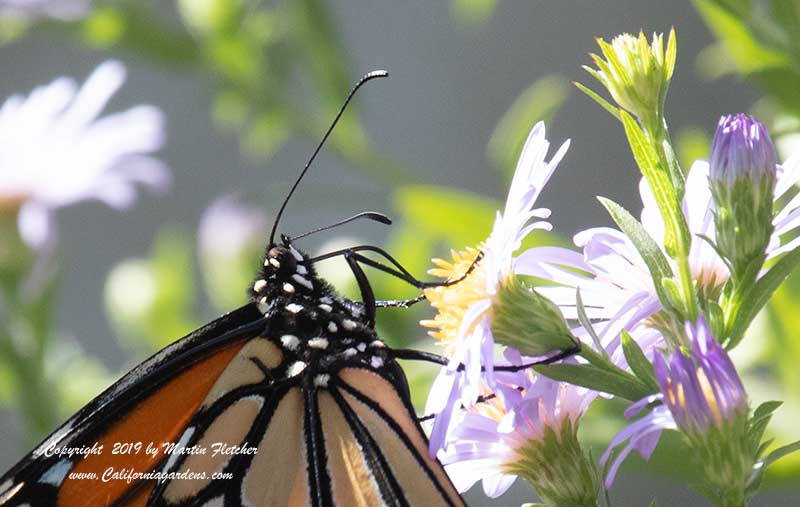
(658, 133)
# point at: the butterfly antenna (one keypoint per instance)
(367, 77)
(371, 215)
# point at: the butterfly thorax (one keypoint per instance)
(319, 331)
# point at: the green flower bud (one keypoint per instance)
(636, 73)
(527, 321)
(557, 468)
(742, 176)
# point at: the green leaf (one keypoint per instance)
(760, 293)
(539, 102)
(587, 325)
(746, 52)
(589, 376)
(760, 419)
(641, 367)
(766, 408)
(780, 452)
(646, 246)
(600, 100)
(675, 230)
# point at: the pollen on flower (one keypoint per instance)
(452, 302)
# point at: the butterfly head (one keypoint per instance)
(286, 273)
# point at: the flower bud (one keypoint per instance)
(527, 321)
(742, 176)
(636, 73)
(707, 400)
(557, 468)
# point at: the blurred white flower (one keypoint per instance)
(64, 10)
(56, 150)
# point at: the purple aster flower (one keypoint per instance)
(529, 429)
(741, 148)
(702, 396)
(55, 150)
(465, 309)
(742, 177)
(614, 281)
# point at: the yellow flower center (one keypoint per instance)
(452, 302)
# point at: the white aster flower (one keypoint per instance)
(56, 150)
(465, 309)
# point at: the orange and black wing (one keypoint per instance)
(264, 436)
(148, 407)
(350, 441)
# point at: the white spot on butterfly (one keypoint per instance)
(8, 490)
(350, 352)
(180, 445)
(262, 305)
(376, 362)
(275, 263)
(295, 369)
(349, 324)
(56, 473)
(297, 255)
(294, 308)
(289, 288)
(290, 341)
(361, 347)
(332, 327)
(356, 311)
(301, 270)
(322, 380)
(326, 308)
(302, 281)
(259, 285)
(318, 343)
(377, 344)
(326, 300)
(215, 502)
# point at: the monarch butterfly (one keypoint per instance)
(291, 399)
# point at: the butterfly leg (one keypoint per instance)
(395, 269)
(399, 303)
(367, 294)
(430, 357)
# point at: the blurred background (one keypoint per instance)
(247, 88)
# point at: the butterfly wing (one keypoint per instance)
(270, 438)
(151, 404)
(353, 441)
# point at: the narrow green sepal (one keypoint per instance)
(641, 367)
(597, 98)
(759, 294)
(646, 246)
(620, 383)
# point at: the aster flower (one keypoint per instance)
(742, 176)
(55, 150)
(63, 10)
(613, 278)
(635, 73)
(464, 321)
(702, 396)
(528, 429)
